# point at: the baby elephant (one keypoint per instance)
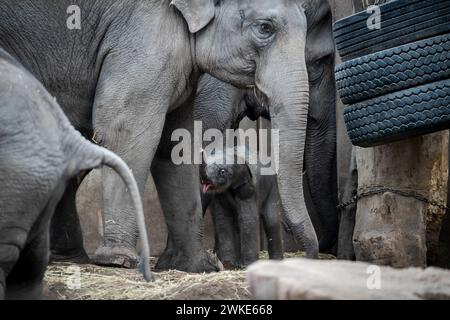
(237, 195)
(39, 152)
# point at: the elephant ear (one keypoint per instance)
(197, 13)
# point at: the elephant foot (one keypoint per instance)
(120, 257)
(235, 265)
(199, 263)
(228, 265)
(77, 256)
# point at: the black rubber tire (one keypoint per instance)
(394, 69)
(399, 115)
(402, 21)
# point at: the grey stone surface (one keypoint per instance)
(304, 279)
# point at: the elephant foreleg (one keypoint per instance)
(129, 119)
(247, 216)
(226, 232)
(137, 147)
(321, 172)
(178, 188)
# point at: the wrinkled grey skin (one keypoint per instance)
(222, 106)
(39, 152)
(238, 195)
(135, 62)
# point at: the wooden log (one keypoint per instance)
(443, 256)
(304, 279)
(391, 228)
(348, 213)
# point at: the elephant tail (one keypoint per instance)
(93, 156)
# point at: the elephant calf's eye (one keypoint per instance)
(222, 172)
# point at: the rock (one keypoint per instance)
(305, 279)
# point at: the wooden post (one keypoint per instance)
(390, 228)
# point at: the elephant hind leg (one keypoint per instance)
(12, 240)
(9, 254)
(66, 238)
(24, 282)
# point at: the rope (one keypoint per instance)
(374, 190)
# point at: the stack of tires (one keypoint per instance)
(395, 80)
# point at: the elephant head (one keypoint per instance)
(261, 45)
(225, 169)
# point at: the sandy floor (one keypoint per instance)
(86, 282)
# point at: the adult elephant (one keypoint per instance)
(133, 62)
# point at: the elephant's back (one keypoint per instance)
(44, 37)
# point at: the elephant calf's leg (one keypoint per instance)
(248, 231)
(226, 234)
(66, 239)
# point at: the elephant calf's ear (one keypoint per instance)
(197, 13)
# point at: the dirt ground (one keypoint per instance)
(89, 282)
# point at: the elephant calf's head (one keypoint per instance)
(223, 170)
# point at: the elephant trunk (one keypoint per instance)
(93, 156)
(287, 91)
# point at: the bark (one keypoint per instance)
(390, 228)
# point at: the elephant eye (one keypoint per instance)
(266, 28)
(222, 172)
(316, 70)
